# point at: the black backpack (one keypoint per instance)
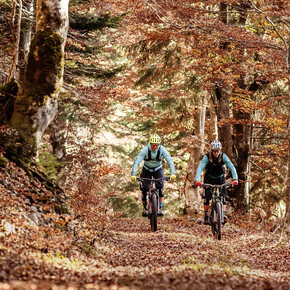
(149, 157)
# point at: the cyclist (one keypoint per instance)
(213, 162)
(152, 154)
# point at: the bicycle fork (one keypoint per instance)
(214, 210)
(150, 196)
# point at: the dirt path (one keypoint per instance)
(182, 254)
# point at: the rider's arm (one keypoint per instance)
(169, 160)
(231, 166)
(138, 160)
(200, 168)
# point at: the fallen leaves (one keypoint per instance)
(66, 253)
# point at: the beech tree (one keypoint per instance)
(25, 36)
(36, 102)
(192, 196)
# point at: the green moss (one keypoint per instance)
(10, 88)
(3, 162)
(49, 163)
(92, 22)
(92, 71)
(128, 206)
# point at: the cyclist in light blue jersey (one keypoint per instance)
(152, 154)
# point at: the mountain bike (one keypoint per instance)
(216, 218)
(153, 196)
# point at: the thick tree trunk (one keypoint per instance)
(36, 102)
(192, 196)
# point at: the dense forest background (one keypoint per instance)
(84, 84)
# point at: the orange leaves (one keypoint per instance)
(106, 169)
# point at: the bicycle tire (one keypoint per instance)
(219, 220)
(213, 222)
(154, 208)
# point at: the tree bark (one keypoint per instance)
(287, 214)
(36, 102)
(213, 127)
(242, 136)
(242, 145)
(223, 114)
(12, 72)
(25, 37)
(192, 196)
(223, 15)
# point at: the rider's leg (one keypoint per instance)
(161, 198)
(224, 193)
(206, 208)
(159, 185)
(144, 200)
(144, 187)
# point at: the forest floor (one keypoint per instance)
(66, 253)
(182, 254)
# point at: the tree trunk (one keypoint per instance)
(36, 102)
(287, 215)
(213, 127)
(223, 15)
(242, 133)
(25, 37)
(242, 145)
(58, 138)
(223, 114)
(12, 71)
(192, 196)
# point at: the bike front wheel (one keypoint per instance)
(154, 208)
(219, 220)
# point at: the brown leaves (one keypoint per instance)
(74, 253)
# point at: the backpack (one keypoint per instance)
(215, 169)
(220, 158)
(149, 157)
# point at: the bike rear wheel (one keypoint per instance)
(154, 208)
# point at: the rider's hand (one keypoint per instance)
(172, 177)
(235, 182)
(198, 183)
(133, 178)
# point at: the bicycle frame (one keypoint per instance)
(216, 214)
(153, 197)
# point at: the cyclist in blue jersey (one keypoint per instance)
(152, 154)
(214, 162)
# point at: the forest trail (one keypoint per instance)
(182, 254)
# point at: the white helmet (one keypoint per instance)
(216, 145)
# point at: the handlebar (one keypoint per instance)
(166, 178)
(206, 185)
